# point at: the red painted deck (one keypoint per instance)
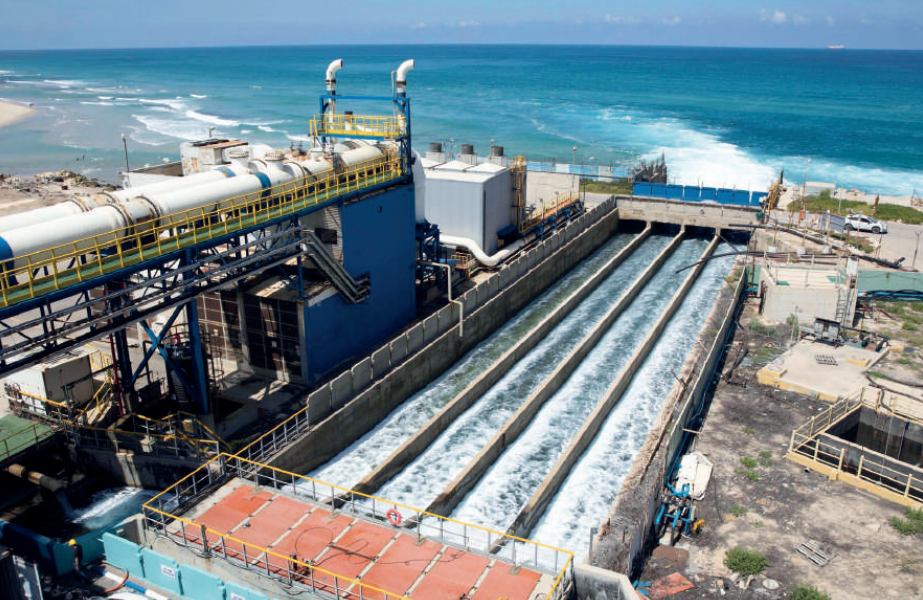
(377, 555)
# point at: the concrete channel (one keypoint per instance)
(449, 498)
(413, 447)
(536, 505)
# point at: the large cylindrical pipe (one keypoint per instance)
(481, 256)
(332, 69)
(74, 206)
(41, 236)
(49, 483)
(401, 80)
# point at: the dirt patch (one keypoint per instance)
(760, 501)
(18, 194)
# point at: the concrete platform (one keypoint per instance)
(820, 370)
(332, 552)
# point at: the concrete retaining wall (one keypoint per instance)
(620, 542)
(484, 313)
(693, 214)
(135, 470)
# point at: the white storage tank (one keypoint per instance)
(474, 202)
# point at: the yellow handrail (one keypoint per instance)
(359, 126)
(42, 272)
(227, 460)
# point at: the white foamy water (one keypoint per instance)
(360, 458)
(111, 506)
(427, 476)
(514, 477)
(585, 497)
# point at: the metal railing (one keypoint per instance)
(14, 443)
(823, 421)
(142, 435)
(41, 272)
(560, 203)
(889, 477)
(389, 128)
(277, 438)
(162, 515)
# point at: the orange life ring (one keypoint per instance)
(394, 517)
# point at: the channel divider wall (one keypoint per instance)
(539, 501)
(455, 492)
(420, 441)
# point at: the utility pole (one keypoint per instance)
(127, 168)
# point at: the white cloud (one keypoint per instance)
(468, 23)
(866, 21)
(829, 20)
(420, 25)
(673, 21)
(800, 20)
(778, 17)
(621, 20)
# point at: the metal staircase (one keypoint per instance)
(352, 290)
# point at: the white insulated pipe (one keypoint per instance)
(481, 256)
(401, 79)
(331, 81)
(76, 206)
(155, 204)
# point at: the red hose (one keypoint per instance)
(112, 589)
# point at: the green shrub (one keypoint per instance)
(908, 326)
(762, 329)
(748, 462)
(915, 516)
(751, 475)
(748, 430)
(745, 562)
(805, 592)
(765, 454)
(901, 526)
(738, 510)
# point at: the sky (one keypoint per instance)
(61, 24)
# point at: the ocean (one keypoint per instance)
(725, 117)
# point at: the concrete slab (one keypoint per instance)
(362, 374)
(398, 350)
(820, 370)
(381, 361)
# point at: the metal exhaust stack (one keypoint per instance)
(332, 69)
(401, 79)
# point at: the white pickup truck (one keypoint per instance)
(860, 222)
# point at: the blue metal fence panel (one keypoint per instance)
(123, 554)
(200, 585)
(161, 571)
(675, 192)
(641, 189)
(659, 190)
(757, 197)
(709, 193)
(725, 196)
(692, 193)
(742, 197)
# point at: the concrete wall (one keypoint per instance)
(135, 470)
(693, 214)
(545, 186)
(487, 307)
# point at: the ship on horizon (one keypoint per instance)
(835, 47)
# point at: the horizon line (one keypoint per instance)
(826, 47)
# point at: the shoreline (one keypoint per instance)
(11, 113)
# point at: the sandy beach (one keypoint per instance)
(13, 113)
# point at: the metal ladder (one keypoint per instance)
(352, 290)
